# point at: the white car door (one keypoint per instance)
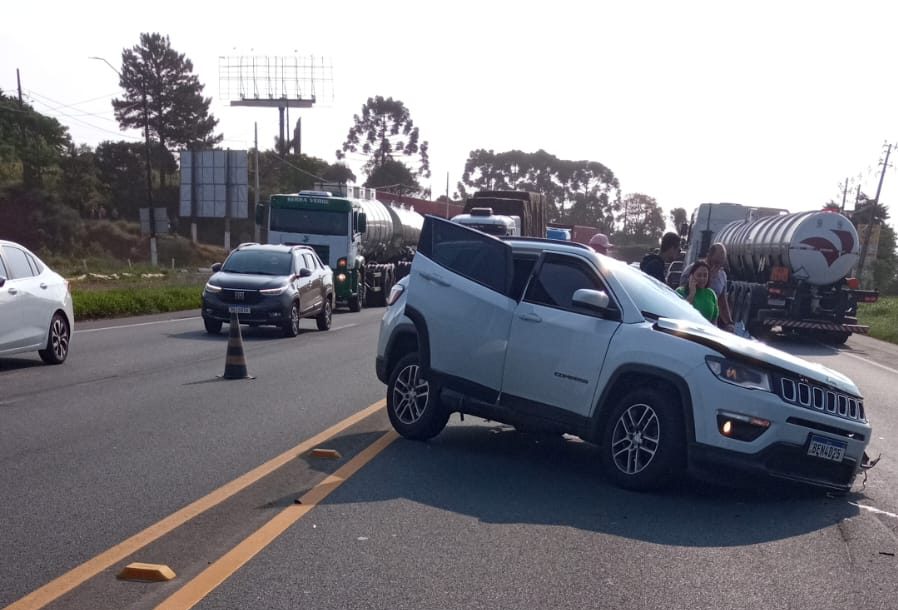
(21, 297)
(556, 350)
(458, 297)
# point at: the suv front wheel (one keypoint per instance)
(643, 443)
(413, 402)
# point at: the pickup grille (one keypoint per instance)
(239, 297)
(822, 399)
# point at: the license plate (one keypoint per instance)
(826, 448)
(238, 309)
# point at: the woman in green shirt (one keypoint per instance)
(698, 293)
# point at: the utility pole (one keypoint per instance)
(844, 195)
(19, 83)
(154, 259)
(257, 229)
(875, 205)
(447, 195)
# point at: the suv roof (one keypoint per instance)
(274, 247)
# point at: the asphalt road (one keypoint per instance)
(135, 427)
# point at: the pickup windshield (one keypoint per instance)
(259, 262)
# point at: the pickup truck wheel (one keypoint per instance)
(213, 327)
(291, 326)
(643, 443)
(324, 318)
(413, 403)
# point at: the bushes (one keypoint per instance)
(881, 317)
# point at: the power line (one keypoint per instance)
(299, 169)
(72, 106)
(119, 134)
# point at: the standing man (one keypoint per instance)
(654, 263)
(717, 259)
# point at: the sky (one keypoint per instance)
(761, 103)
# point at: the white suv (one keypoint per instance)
(552, 336)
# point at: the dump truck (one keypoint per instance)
(790, 272)
(530, 208)
(368, 244)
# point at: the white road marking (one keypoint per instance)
(882, 366)
(875, 510)
(96, 330)
(344, 326)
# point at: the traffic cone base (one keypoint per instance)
(235, 362)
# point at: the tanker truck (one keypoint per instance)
(368, 244)
(790, 271)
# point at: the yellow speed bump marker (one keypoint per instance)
(331, 454)
(147, 572)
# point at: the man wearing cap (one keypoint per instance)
(600, 243)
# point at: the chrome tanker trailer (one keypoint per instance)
(788, 271)
(368, 244)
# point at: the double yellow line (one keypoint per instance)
(218, 572)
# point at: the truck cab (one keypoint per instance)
(485, 221)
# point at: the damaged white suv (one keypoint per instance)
(552, 336)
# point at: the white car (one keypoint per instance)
(36, 312)
(552, 336)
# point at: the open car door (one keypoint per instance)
(458, 298)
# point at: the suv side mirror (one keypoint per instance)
(216, 267)
(305, 272)
(594, 300)
(363, 223)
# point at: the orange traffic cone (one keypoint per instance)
(235, 362)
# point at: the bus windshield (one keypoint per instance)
(316, 222)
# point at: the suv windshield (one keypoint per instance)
(259, 262)
(653, 298)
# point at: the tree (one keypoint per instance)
(394, 175)
(641, 219)
(160, 87)
(80, 186)
(383, 132)
(338, 172)
(30, 143)
(678, 217)
(121, 167)
(579, 192)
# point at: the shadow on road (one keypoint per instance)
(498, 475)
(249, 333)
(16, 364)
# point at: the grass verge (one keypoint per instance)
(117, 302)
(881, 317)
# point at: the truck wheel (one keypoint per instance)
(643, 442)
(355, 305)
(413, 403)
(291, 326)
(835, 338)
(324, 318)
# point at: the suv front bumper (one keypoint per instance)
(269, 310)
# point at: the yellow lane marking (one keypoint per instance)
(210, 578)
(77, 576)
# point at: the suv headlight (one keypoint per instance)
(274, 291)
(739, 373)
(395, 292)
(212, 288)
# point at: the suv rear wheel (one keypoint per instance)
(413, 402)
(324, 318)
(643, 443)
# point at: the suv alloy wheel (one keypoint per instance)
(413, 402)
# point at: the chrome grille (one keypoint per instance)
(822, 399)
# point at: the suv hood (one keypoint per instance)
(247, 281)
(730, 344)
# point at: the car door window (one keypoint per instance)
(19, 266)
(310, 263)
(35, 265)
(523, 267)
(472, 254)
(559, 277)
(3, 271)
